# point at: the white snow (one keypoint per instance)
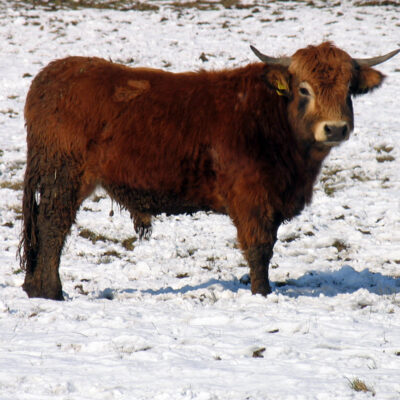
(171, 319)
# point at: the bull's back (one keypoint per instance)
(131, 126)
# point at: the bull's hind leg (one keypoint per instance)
(142, 224)
(126, 198)
(53, 209)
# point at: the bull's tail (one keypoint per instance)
(29, 246)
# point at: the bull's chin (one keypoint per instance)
(327, 144)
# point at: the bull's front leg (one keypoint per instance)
(258, 258)
(253, 212)
(257, 237)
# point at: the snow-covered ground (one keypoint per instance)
(169, 318)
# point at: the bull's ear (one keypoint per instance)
(278, 79)
(367, 80)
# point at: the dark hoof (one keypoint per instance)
(45, 293)
(260, 287)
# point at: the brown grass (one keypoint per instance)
(95, 237)
(340, 245)
(52, 5)
(367, 3)
(259, 352)
(11, 185)
(128, 243)
(150, 5)
(359, 386)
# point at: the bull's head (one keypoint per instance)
(318, 82)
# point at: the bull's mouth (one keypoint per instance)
(331, 143)
(325, 145)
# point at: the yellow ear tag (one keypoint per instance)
(281, 88)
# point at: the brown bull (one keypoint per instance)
(246, 142)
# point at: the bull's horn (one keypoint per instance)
(370, 62)
(284, 61)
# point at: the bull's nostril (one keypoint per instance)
(336, 131)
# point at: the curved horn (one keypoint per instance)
(370, 62)
(284, 61)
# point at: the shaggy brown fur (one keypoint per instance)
(226, 141)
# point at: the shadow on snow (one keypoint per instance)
(313, 284)
(343, 281)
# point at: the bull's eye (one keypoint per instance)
(304, 92)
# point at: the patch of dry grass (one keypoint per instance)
(128, 243)
(360, 386)
(11, 185)
(53, 5)
(95, 237)
(368, 3)
(340, 245)
(150, 5)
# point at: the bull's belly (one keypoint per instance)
(155, 202)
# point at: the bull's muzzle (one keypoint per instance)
(332, 133)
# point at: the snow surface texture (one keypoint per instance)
(170, 318)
